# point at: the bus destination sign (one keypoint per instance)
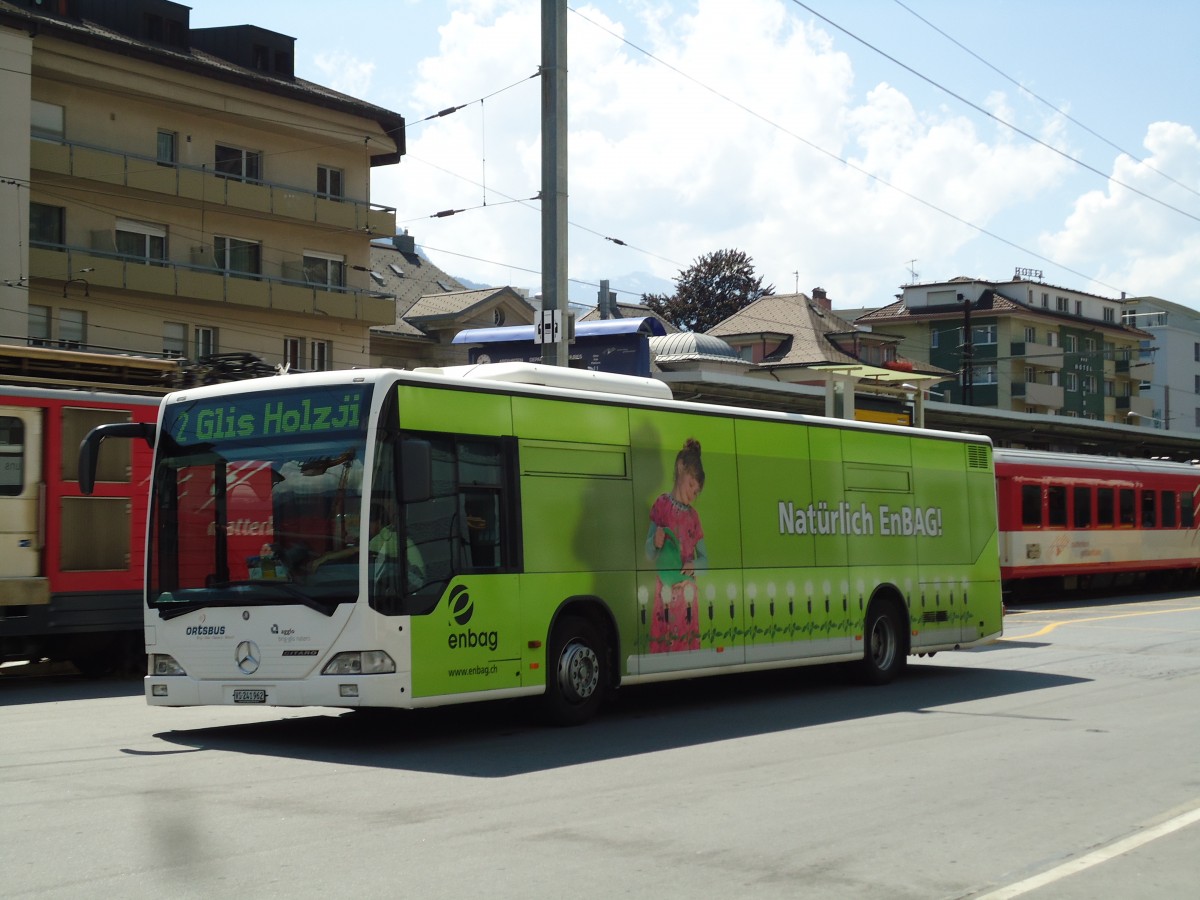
(267, 415)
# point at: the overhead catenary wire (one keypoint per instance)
(1057, 109)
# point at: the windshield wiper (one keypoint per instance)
(212, 596)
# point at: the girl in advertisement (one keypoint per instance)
(675, 544)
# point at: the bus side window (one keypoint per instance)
(1187, 512)
(1105, 507)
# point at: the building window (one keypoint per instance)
(1071, 381)
(174, 340)
(206, 341)
(983, 375)
(1089, 344)
(1045, 301)
(167, 145)
(1196, 383)
(233, 162)
(1052, 338)
(1110, 388)
(72, 329)
(1089, 384)
(1196, 352)
(1030, 375)
(46, 121)
(329, 182)
(1079, 307)
(39, 326)
(1062, 304)
(236, 256)
(1070, 343)
(320, 355)
(142, 241)
(47, 224)
(1031, 335)
(324, 268)
(983, 335)
(934, 335)
(1110, 314)
(293, 352)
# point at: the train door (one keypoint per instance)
(22, 510)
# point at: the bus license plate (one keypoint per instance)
(245, 695)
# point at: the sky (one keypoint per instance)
(857, 145)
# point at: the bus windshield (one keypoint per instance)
(257, 499)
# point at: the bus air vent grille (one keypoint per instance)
(977, 456)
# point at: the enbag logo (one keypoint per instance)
(461, 610)
(461, 607)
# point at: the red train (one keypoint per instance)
(1079, 522)
(71, 566)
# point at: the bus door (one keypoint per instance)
(22, 512)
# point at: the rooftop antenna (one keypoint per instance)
(797, 274)
(912, 271)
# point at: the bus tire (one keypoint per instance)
(576, 673)
(884, 650)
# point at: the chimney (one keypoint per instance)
(821, 299)
(405, 243)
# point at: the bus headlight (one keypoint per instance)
(360, 662)
(162, 664)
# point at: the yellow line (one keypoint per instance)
(1049, 628)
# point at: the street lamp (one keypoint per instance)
(1158, 423)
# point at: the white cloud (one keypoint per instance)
(672, 168)
(345, 73)
(1130, 241)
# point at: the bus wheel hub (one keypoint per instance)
(578, 671)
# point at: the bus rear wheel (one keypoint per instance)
(577, 675)
(884, 653)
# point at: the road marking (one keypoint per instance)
(1075, 866)
(1053, 625)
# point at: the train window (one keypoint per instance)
(1056, 506)
(12, 456)
(1187, 512)
(1105, 508)
(1083, 507)
(1167, 505)
(1031, 504)
(1149, 514)
(1127, 508)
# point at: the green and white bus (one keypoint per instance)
(385, 538)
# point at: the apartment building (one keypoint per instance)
(178, 192)
(1025, 346)
(1174, 348)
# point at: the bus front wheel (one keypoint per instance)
(577, 673)
(884, 653)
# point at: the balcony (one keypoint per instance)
(197, 185)
(106, 270)
(1048, 395)
(1041, 355)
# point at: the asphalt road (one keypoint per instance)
(1062, 762)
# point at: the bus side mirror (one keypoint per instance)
(416, 471)
(89, 447)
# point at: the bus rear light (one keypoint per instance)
(360, 662)
(162, 664)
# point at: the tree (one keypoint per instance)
(712, 289)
